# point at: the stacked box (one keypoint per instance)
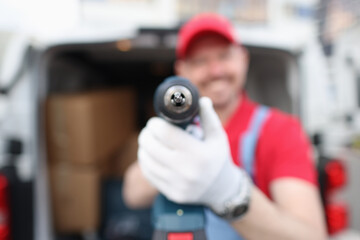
(117, 166)
(84, 132)
(75, 194)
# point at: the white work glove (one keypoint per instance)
(190, 170)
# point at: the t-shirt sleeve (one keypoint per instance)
(292, 152)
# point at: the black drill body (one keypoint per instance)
(177, 101)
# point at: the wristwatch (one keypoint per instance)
(237, 206)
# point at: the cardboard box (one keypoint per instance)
(88, 128)
(75, 195)
(127, 154)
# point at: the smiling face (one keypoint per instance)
(216, 67)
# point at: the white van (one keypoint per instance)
(287, 71)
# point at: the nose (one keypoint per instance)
(216, 68)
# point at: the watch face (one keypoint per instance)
(240, 210)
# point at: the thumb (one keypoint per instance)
(209, 119)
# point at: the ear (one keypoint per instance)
(244, 54)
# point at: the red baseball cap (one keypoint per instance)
(202, 23)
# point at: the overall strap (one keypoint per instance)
(250, 138)
(217, 228)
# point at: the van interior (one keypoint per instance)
(85, 67)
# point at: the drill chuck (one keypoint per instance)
(176, 100)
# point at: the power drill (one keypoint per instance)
(177, 101)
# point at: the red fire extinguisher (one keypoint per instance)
(4, 209)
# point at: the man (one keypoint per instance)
(277, 198)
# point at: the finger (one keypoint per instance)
(152, 167)
(173, 136)
(157, 149)
(209, 119)
(158, 176)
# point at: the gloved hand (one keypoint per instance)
(190, 170)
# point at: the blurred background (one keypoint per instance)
(77, 80)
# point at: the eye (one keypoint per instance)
(198, 61)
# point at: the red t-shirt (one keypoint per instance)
(282, 150)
